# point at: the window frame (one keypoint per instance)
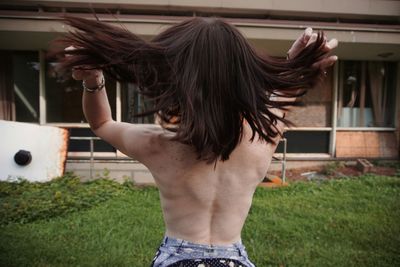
(340, 67)
(332, 129)
(43, 113)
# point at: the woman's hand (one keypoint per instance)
(92, 77)
(307, 38)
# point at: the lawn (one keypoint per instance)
(341, 222)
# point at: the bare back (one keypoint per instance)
(201, 203)
(204, 203)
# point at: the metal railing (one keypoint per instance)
(91, 139)
(283, 159)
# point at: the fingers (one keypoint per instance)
(332, 44)
(312, 39)
(69, 48)
(325, 62)
(306, 39)
(328, 61)
(300, 43)
(80, 74)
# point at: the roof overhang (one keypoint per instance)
(24, 31)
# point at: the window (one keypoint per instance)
(84, 145)
(366, 94)
(133, 103)
(306, 142)
(19, 86)
(315, 111)
(316, 106)
(64, 97)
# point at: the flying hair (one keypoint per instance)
(201, 75)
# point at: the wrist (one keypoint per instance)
(93, 84)
(94, 80)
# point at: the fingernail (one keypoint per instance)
(308, 31)
(334, 42)
(335, 58)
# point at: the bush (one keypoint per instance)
(331, 168)
(25, 202)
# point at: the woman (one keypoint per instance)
(221, 107)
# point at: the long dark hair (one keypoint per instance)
(201, 74)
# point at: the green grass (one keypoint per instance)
(344, 222)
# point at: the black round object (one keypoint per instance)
(23, 157)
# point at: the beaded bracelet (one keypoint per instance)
(97, 88)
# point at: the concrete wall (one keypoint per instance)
(136, 172)
(318, 7)
(118, 170)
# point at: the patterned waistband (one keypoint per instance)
(180, 245)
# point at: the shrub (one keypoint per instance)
(331, 168)
(25, 202)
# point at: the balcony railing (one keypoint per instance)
(92, 157)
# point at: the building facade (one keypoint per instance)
(354, 113)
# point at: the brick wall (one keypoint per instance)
(366, 144)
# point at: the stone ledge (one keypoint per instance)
(120, 172)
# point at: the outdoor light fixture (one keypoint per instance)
(23, 157)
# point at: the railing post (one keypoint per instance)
(284, 160)
(91, 158)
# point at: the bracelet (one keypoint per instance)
(97, 88)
